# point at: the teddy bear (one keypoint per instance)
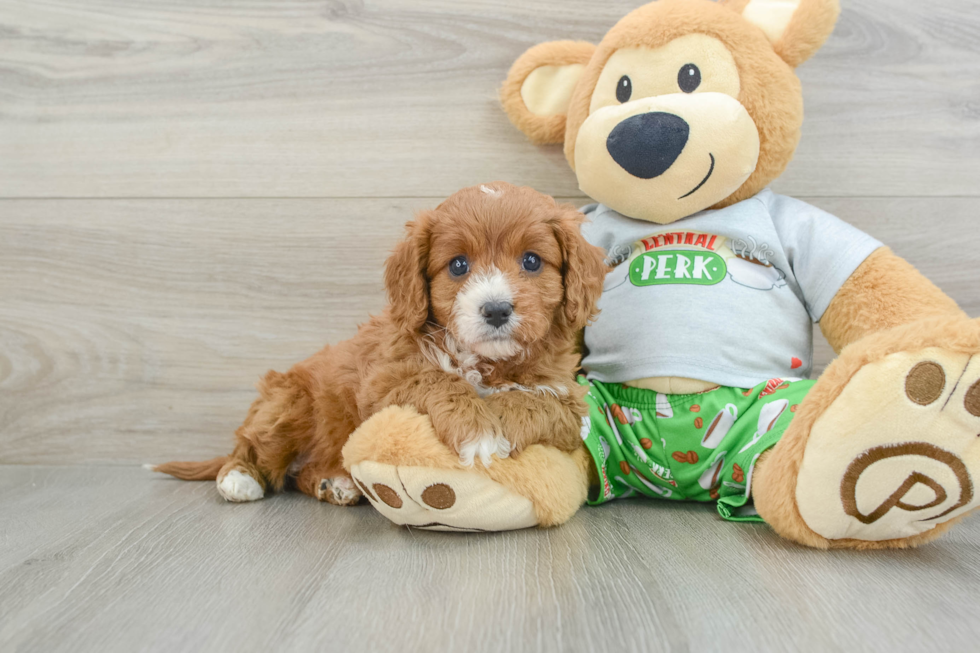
(696, 367)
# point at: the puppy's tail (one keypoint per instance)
(206, 470)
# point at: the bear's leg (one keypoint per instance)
(414, 480)
(884, 451)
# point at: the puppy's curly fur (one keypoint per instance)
(488, 389)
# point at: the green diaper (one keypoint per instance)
(701, 447)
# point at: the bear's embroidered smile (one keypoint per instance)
(703, 181)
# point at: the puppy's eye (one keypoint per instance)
(531, 262)
(624, 89)
(689, 78)
(459, 266)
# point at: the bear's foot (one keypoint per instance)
(895, 455)
(442, 499)
(413, 479)
(886, 448)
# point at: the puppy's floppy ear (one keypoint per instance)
(539, 88)
(406, 282)
(583, 269)
(796, 28)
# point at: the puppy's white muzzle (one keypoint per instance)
(472, 328)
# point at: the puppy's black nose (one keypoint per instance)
(646, 145)
(497, 313)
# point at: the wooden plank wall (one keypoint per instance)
(194, 191)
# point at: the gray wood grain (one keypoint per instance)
(115, 559)
(165, 311)
(133, 330)
(392, 98)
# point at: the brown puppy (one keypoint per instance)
(486, 295)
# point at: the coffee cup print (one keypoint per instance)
(709, 479)
(611, 421)
(640, 453)
(586, 427)
(635, 416)
(625, 415)
(768, 417)
(753, 273)
(719, 427)
(770, 414)
(663, 492)
(664, 409)
(629, 490)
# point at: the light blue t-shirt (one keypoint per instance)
(725, 296)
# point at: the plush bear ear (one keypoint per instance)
(539, 87)
(796, 28)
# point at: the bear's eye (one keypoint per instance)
(624, 89)
(459, 266)
(531, 262)
(689, 78)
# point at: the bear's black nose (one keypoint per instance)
(646, 145)
(497, 313)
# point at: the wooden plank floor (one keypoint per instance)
(194, 191)
(107, 559)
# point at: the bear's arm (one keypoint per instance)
(883, 292)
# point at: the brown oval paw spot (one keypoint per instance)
(972, 400)
(925, 383)
(388, 495)
(439, 496)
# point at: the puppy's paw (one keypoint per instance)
(239, 487)
(338, 490)
(472, 433)
(484, 446)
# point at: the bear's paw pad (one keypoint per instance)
(898, 452)
(442, 499)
